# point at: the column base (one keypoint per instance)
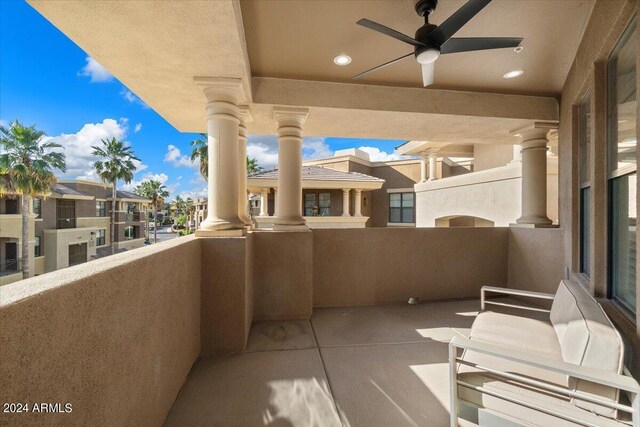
(221, 233)
(293, 228)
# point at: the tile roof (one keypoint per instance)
(120, 194)
(319, 173)
(63, 190)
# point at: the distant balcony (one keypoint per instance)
(157, 310)
(63, 223)
(134, 216)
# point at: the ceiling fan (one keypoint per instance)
(430, 41)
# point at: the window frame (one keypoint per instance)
(317, 202)
(65, 206)
(585, 134)
(101, 208)
(402, 207)
(37, 247)
(614, 174)
(132, 234)
(39, 211)
(101, 234)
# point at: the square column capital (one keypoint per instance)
(225, 89)
(536, 130)
(245, 114)
(290, 116)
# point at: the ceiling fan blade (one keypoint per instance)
(389, 32)
(393, 61)
(467, 44)
(428, 73)
(463, 15)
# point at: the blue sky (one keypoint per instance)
(46, 80)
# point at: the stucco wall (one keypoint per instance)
(283, 274)
(116, 337)
(487, 156)
(226, 308)
(536, 259)
(397, 176)
(381, 265)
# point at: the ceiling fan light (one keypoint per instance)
(342, 60)
(428, 56)
(513, 74)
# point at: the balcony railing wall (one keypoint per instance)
(125, 330)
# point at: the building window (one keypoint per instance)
(65, 214)
(37, 247)
(100, 237)
(585, 184)
(621, 170)
(37, 207)
(101, 208)
(317, 204)
(129, 232)
(401, 208)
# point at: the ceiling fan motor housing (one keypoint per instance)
(425, 7)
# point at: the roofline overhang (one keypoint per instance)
(257, 183)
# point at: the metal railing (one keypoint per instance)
(10, 266)
(62, 223)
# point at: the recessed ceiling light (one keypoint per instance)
(512, 74)
(342, 60)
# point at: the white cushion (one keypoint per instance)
(519, 333)
(588, 338)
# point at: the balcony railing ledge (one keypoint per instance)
(24, 289)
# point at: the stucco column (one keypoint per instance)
(424, 157)
(345, 202)
(222, 95)
(290, 121)
(534, 173)
(245, 117)
(264, 202)
(275, 202)
(433, 165)
(358, 203)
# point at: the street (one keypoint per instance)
(164, 233)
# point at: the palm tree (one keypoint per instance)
(116, 163)
(189, 208)
(156, 192)
(199, 151)
(253, 166)
(26, 168)
(179, 204)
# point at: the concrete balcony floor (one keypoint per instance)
(357, 366)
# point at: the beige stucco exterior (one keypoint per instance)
(57, 242)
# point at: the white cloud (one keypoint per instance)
(137, 128)
(177, 159)
(378, 155)
(4, 123)
(315, 148)
(96, 72)
(77, 146)
(194, 194)
(132, 98)
(161, 177)
(264, 148)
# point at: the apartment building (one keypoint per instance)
(70, 226)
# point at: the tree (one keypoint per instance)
(199, 152)
(253, 166)
(179, 204)
(116, 163)
(156, 192)
(27, 167)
